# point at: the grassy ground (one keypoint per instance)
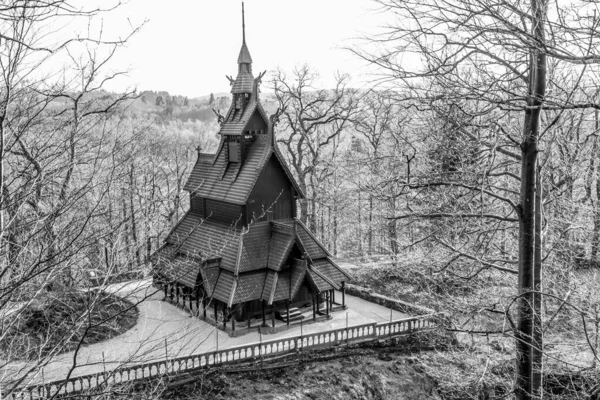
(57, 322)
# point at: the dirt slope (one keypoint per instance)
(372, 373)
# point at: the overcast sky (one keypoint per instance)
(187, 46)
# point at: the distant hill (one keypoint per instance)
(168, 106)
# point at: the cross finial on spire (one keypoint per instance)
(243, 25)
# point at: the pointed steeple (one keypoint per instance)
(244, 83)
(244, 57)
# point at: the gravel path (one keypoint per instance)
(163, 329)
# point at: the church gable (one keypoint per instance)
(271, 196)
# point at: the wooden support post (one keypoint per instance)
(190, 299)
(177, 293)
(264, 314)
(318, 304)
(198, 300)
(314, 308)
(148, 249)
(225, 315)
(331, 298)
(216, 311)
(343, 294)
(204, 307)
(273, 315)
(165, 288)
(287, 308)
(327, 303)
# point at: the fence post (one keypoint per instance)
(346, 325)
(166, 357)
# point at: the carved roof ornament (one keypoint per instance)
(258, 81)
(220, 117)
(275, 117)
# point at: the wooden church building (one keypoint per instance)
(240, 250)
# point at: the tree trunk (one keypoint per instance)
(127, 229)
(537, 333)
(335, 228)
(595, 256)
(304, 211)
(322, 224)
(312, 221)
(527, 266)
(370, 224)
(360, 249)
(392, 231)
(4, 264)
(132, 213)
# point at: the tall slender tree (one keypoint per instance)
(494, 61)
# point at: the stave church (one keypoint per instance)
(240, 254)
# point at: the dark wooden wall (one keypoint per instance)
(197, 203)
(271, 182)
(256, 123)
(216, 210)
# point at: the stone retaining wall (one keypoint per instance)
(395, 304)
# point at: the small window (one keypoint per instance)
(234, 155)
(238, 102)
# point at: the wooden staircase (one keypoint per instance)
(294, 315)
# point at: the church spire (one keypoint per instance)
(243, 25)
(244, 57)
(244, 81)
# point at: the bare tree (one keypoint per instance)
(494, 62)
(311, 123)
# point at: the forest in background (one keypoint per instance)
(419, 182)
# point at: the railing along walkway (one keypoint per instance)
(263, 350)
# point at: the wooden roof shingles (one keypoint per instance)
(328, 268)
(250, 286)
(176, 267)
(244, 82)
(244, 56)
(310, 243)
(256, 247)
(270, 285)
(317, 281)
(205, 179)
(224, 286)
(185, 271)
(298, 274)
(210, 275)
(283, 288)
(281, 245)
(206, 239)
(283, 226)
(207, 170)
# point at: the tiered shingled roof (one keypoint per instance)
(218, 179)
(238, 266)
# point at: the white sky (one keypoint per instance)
(188, 46)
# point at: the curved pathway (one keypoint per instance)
(164, 330)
